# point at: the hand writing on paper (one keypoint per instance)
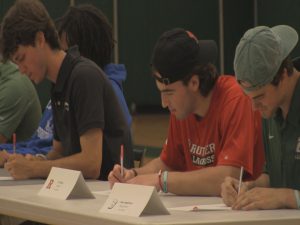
(115, 175)
(19, 167)
(265, 198)
(229, 190)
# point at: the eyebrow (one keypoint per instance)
(258, 96)
(167, 90)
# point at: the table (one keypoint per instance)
(21, 200)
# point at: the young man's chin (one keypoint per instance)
(36, 81)
(266, 114)
(179, 116)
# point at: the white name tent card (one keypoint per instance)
(133, 200)
(65, 184)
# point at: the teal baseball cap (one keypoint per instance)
(260, 53)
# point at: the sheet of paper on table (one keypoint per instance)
(211, 207)
(6, 178)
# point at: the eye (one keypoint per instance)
(21, 58)
(18, 59)
(259, 98)
(168, 93)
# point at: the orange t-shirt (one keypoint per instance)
(229, 134)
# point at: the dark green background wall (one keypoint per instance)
(272, 13)
(142, 21)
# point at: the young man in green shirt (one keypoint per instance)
(267, 75)
(20, 109)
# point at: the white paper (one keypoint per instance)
(202, 207)
(133, 200)
(107, 193)
(6, 178)
(65, 184)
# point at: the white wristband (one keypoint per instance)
(296, 192)
(41, 156)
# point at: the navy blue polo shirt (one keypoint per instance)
(83, 99)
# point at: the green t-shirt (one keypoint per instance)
(20, 109)
(282, 145)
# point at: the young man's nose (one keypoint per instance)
(164, 101)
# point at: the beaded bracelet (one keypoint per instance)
(296, 192)
(165, 182)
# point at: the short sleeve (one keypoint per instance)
(241, 133)
(88, 98)
(172, 153)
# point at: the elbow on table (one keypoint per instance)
(92, 172)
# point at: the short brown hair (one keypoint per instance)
(20, 25)
(208, 76)
(286, 64)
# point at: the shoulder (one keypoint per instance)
(227, 89)
(87, 69)
(18, 88)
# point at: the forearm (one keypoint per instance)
(287, 196)
(200, 182)
(289, 199)
(89, 167)
(262, 181)
(152, 167)
(52, 154)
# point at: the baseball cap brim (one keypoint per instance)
(289, 38)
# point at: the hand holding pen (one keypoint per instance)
(231, 188)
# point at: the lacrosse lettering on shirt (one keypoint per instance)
(202, 155)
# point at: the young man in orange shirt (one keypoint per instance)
(213, 131)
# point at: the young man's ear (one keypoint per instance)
(194, 82)
(40, 39)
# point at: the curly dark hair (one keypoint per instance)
(87, 27)
(21, 24)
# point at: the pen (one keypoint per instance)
(241, 177)
(14, 142)
(121, 160)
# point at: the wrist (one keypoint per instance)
(250, 184)
(288, 198)
(159, 186)
(134, 172)
(297, 198)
